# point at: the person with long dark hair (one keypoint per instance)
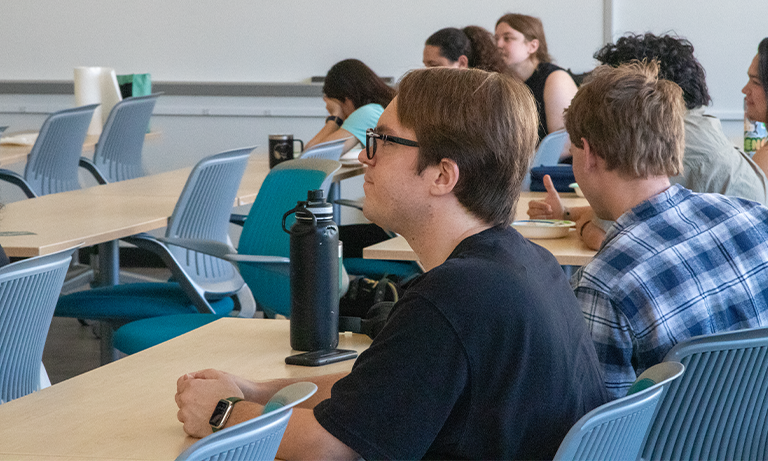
(524, 49)
(355, 97)
(470, 47)
(756, 97)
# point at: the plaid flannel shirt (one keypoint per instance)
(678, 265)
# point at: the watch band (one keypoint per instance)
(230, 402)
(332, 118)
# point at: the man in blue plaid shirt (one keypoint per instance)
(675, 264)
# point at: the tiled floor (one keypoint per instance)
(72, 348)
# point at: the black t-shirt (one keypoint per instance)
(536, 83)
(484, 357)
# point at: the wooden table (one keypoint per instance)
(126, 410)
(102, 214)
(14, 153)
(569, 251)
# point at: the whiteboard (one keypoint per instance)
(258, 40)
(293, 40)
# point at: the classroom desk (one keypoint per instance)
(126, 409)
(14, 153)
(101, 215)
(569, 251)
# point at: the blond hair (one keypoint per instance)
(485, 122)
(631, 118)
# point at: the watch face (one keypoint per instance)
(220, 413)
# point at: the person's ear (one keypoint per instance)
(533, 46)
(591, 160)
(446, 176)
(463, 62)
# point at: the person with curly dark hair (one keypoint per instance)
(470, 47)
(711, 163)
(355, 97)
(756, 96)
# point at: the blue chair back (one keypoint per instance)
(330, 150)
(548, 153)
(53, 161)
(29, 290)
(118, 152)
(719, 409)
(202, 213)
(256, 439)
(616, 430)
(285, 185)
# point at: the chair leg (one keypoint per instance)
(107, 351)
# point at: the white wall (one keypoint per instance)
(258, 40)
(290, 41)
(725, 35)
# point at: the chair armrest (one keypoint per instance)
(17, 180)
(91, 167)
(277, 264)
(209, 247)
(238, 219)
(150, 243)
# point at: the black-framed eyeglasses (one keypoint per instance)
(371, 137)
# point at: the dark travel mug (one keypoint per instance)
(281, 148)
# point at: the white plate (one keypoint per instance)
(27, 139)
(543, 228)
(576, 189)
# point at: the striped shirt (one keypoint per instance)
(678, 265)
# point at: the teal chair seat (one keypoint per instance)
(143, 334)
(126, 303)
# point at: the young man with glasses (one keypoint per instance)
(486, 355)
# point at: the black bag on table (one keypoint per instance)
(562, 177)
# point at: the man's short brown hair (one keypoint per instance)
(631, 118)
(485, 122)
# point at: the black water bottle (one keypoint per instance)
(314, 254)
